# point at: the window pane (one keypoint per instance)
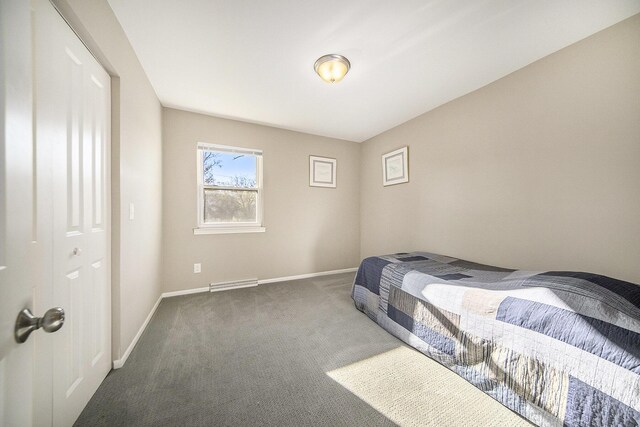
(229, 169)
(229, 206)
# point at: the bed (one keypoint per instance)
(557, 347)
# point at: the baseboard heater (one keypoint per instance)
(234, 284)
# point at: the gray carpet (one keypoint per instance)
(294, 353)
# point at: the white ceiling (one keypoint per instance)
(252, 60)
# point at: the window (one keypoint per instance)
(229, 190)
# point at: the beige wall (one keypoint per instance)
(308, 229)
(539, 170)
(136, 168)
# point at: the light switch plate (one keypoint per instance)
(197, 268)
(132, 211)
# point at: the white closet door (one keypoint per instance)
(72, 126)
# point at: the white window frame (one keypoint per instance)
(228, 227)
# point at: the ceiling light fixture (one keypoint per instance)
(332, 68)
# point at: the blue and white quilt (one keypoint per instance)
(559, 348)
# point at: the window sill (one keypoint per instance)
(228, 230)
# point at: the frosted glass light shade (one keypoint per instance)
(332, 68)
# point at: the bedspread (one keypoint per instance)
(559, 348)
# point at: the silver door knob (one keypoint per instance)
(26, 322)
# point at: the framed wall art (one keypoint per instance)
(395, 167)
(322, 171)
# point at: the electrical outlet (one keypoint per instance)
(197, 268)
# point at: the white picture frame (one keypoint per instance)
(322, 172)
(395, 167)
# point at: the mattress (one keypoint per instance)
(557, 347)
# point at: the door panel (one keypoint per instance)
(70, 297)
(72, 103)
(97, 297)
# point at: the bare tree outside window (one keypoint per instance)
(210, 160)
(230, 187)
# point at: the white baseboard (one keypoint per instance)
(185, 292)
(306, 276)
(117, 364)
